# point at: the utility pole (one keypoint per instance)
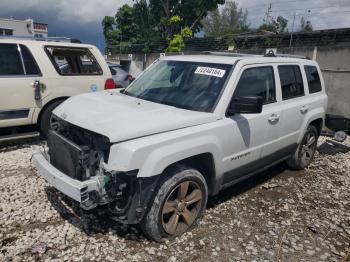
(268, 14)
(120, 44)
(291, 34)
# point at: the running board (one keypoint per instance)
(19, 136)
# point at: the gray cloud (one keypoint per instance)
(71, 18)
(82, 18)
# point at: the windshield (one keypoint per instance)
(188, 85)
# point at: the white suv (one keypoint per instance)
(36, 76)
(188, 127)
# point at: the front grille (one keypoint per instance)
(68, 157)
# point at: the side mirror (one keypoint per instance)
(245, 105)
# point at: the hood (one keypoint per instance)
(120, 117)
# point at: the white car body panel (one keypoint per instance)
(120, 117)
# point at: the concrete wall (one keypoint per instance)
(334, 62)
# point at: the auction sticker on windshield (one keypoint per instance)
(210, 71)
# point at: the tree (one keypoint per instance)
(120, 30)
(177, 42)
(282, 24)
(278, 25)
(305, 26)
(148, 21)
(125, 23)
(229, 20)
(144, 24)
(108, 24)
(191, 12)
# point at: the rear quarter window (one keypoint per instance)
(313, 79)
(73, 61)
(29, 62)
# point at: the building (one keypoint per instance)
(24, 28)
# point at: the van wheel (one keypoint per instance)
(305, 152)
(45, 118)
(178, 204)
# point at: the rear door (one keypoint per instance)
(18, 71)
(294, 105)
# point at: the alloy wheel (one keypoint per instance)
(308, 148)
(181, 207)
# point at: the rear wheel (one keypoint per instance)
(178, 204)
(305, 152)
(46, 119)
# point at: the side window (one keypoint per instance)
(291, 81)
(29, 62)
(73, 61)
(259, 81)
(10, 60)
(313, 79)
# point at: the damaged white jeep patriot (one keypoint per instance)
(188, 127)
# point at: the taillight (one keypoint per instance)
(110, 84)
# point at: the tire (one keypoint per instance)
(157, 223)
(45, 118)
(305, 152)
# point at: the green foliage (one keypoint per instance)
(177, 42)
(228, 21)
(175, 19)
(191, 11)
(108, 24)
(125, 23)
(276, 26)
(149, 22)
(186, 32)
(305, 26)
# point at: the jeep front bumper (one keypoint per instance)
(80, 191)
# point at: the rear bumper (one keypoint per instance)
(77, 190)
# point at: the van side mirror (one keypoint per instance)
(245, 105)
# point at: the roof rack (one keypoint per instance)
(269, 54)
(273, 54)
(47, 39)
(228, 54)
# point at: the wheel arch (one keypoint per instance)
(42, 110)
(318, 123)
(203, 163)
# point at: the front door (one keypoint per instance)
(255, 135)
(18, 71)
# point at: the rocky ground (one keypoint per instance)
(278, 215)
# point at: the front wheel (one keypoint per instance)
(305, 152)
(178, 204)
(46, 119)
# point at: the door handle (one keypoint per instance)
(37, 91)
(274, 118)
(304, 109)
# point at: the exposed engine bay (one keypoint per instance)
(77, 152)
(82, 155)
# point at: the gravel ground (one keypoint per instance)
(277, 215)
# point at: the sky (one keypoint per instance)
(82, 18)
